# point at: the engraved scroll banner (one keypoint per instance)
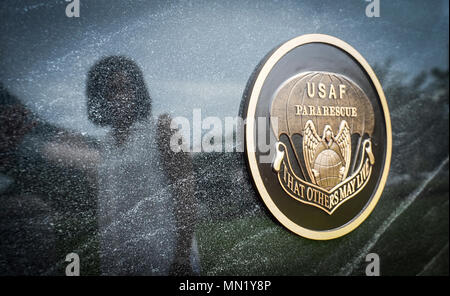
(308, 193)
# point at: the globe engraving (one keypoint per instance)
(328, 164)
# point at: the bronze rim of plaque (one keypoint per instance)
(330, 125)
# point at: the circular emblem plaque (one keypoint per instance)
(317, 136)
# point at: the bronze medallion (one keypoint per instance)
(319, 107)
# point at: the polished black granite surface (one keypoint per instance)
(200, 55)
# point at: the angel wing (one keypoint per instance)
(344, 141)
(310, 142)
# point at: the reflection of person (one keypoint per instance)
(140, 211)
(49, 201)
(15, 123)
